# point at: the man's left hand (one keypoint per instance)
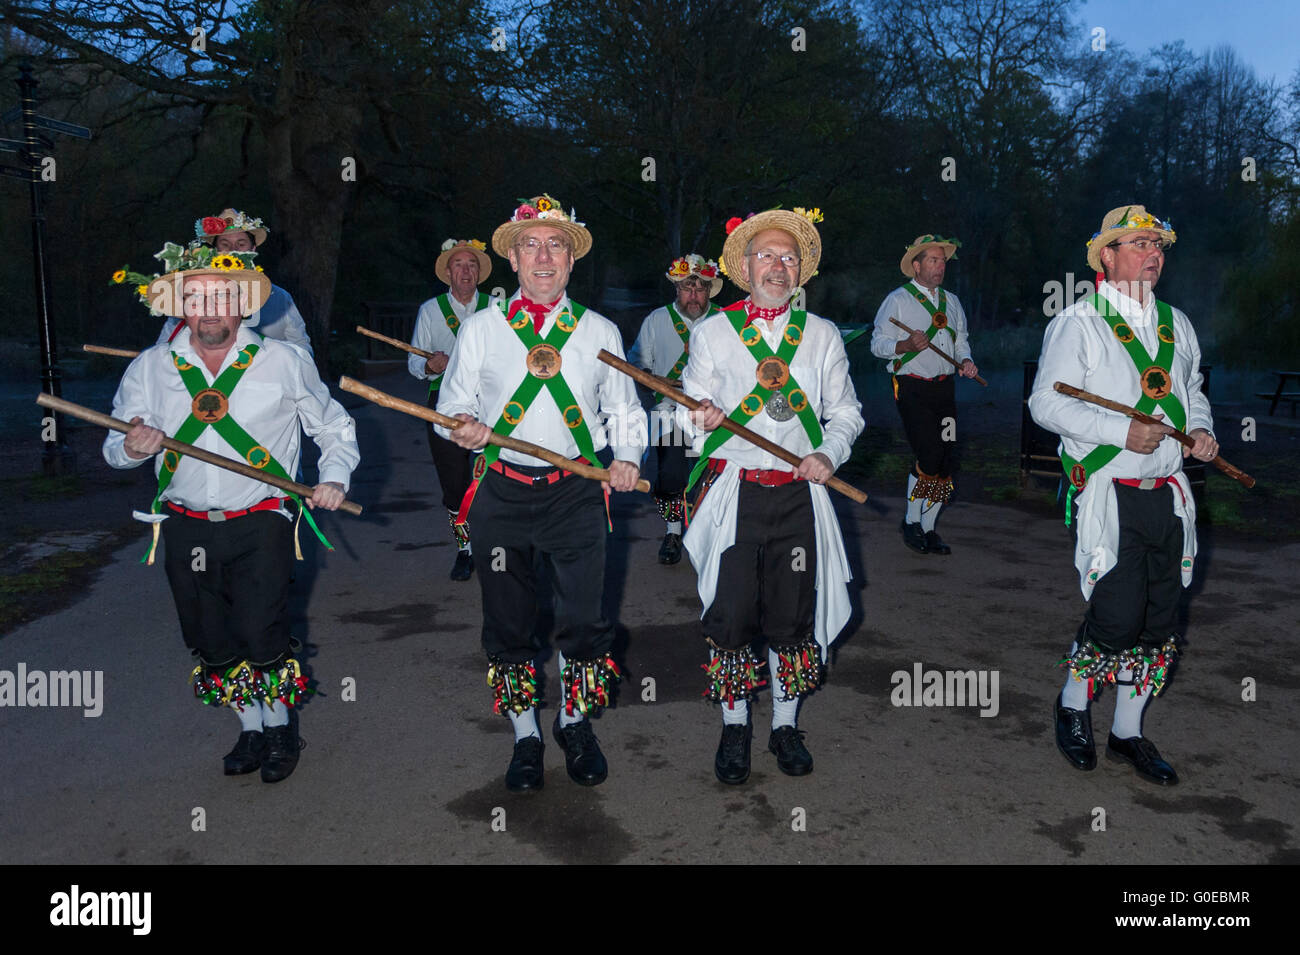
(1205, 448)
(816, 467)
(328, 496)
(623, 476)
(968, 369)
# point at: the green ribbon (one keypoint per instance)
(453, 322)
(933, 330)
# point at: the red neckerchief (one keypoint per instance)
(755, 311)
(539, 312)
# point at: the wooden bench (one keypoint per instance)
(1280, 393)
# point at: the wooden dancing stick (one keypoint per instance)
(180, 447)
(1184, 439)
(937, 350)
(105, 350)
(394, 342)
(514, 444)
(665, 387)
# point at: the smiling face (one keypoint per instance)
(772, 282)
(543, 272)
(463, 269)
(212, 311)
(929, 266)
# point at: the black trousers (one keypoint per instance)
(451, 461)
(1137, 600)
(767, 579)
(673, 469)
(923, 405)
(563, 524)
(237, 607)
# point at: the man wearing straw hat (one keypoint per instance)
(235, 232)
(230, 539)
(924, 386)
(764, 539)
(463, 265)
(662, 348)
(529, 370)
(1133, 512)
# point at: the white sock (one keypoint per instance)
(913, 507)
(675, 527)
(1075, 694)
(525, 723)
(250, 718)
(565, 718)
(784, 712)
(737, 715)
(1128, 708)
(469, 547)
(929, 514)
(277, 715)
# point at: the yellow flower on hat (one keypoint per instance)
(225, 262)
(478, 244)
(543, 204)
(142, 290)
(119, 276)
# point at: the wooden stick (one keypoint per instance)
(105, 350)
(395, 342)
(937, 350)
(180, 447)
(1184, 439)
(514, 444)
(665, 387)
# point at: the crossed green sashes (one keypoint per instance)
(449, 316)
(938, 320)
(1155, 378)
(684, 333)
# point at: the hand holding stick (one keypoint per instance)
(939, 351)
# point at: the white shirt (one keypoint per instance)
(902, 305)
(278, 318)
(432, 333)
(279, 390)
(722, 370)
(488, 365)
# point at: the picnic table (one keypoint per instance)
(1281, 394)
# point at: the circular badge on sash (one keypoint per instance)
(209, 406)
(244, 360)
(1166, 333)
(1123, 332)
(480, 467)
(793, 335)
(798, 400)
(751, 404)
(181, 363)
(513, 412)
(1155, 383)
(1078, 477)
(573, 416)
(566, 321)
(939, 319)
(777, 407)
(750, 335)
(520, 320)
(544, 361)
(258, 456)
(171, 461)
(773, 373)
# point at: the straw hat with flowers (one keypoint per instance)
(799, 223)
(442, 269)
(231, 220)
(164, 294)
(543, 210)
(1122, 221)
(696, 266)
(923, 242)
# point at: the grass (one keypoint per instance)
(51, 582)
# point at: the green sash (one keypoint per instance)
(211, 405)
(753, 402)
(1155, 377)
(449, 316)
(941, 310)
(684, 334)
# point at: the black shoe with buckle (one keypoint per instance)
(463, 567)
(281, 754)
(582, 756)
(792, 757)
(913, 536)
(934, 544)
(525, 771)
(247, 754)
(1074, 736)
(1142, 754)
(670, 551)
(731, 765)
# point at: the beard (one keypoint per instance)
(692, 311)
(217, 336)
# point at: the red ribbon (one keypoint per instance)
(535, 309)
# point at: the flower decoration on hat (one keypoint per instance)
(478, 245)
(197, 255)
(543, 207)
(211, 226)
(812, 215)
(1134, 220)
(693, 264)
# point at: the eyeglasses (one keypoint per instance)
(1146, 245)
(787, 259)
(554, 245)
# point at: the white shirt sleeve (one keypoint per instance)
(884, 333)
(328, 424)
(841, 411)
(130, 401)
(1067, 357)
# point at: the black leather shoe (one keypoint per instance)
(1145, 758)
(463, 567)
(670, 551)
(934, 543)
(1074, 736)
(731, 765)
(247, 754)
(913, 536)
(582, 756)
(281, 754)
(525, 771)
(792, 757)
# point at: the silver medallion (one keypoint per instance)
(778, 408)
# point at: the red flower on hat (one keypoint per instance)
(213, 225)
(732, 223)
(525, 212)
(708, 272)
